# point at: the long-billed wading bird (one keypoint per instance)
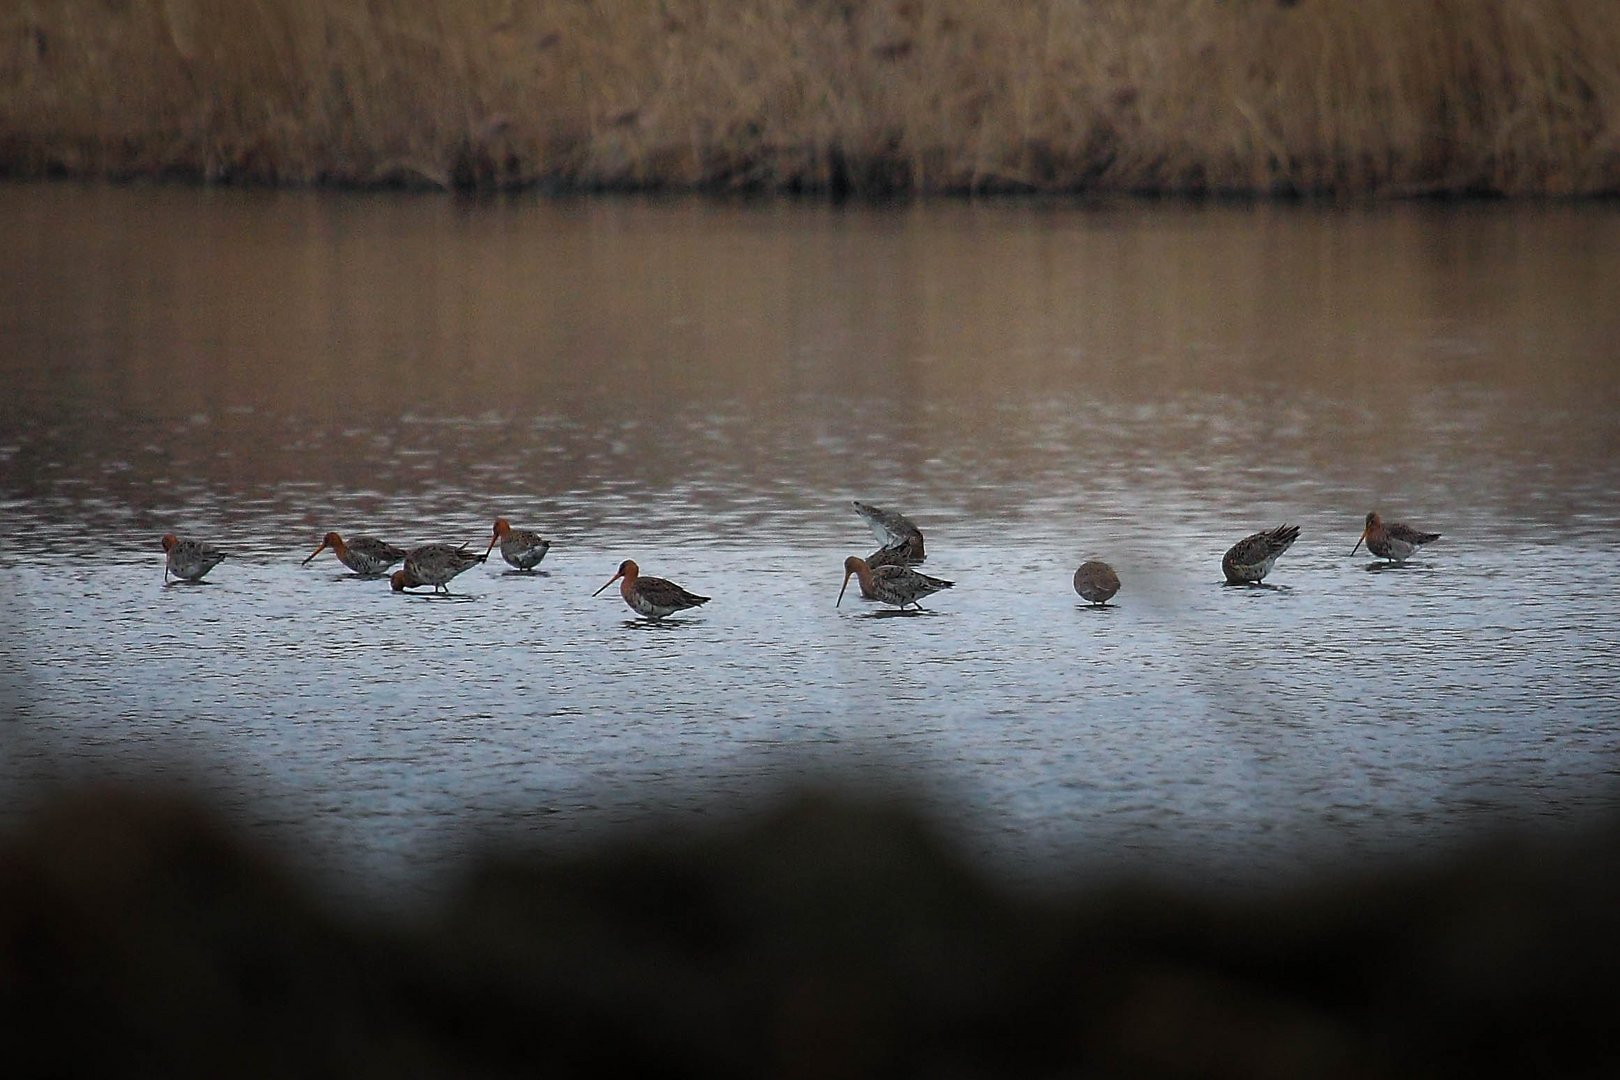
(1394, 541)
(435, 565)
(894, 531)
(883, 556)
(365, 555)
(519, 547)
(651, 596)
(188, 560)
(892, 584)
(1250, 559)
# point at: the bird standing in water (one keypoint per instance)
(892, 584)
(188, 560)
(1096, 581)
(651, 596)
(1250, 559)
(883, 556)
(433, 564)
(519, 547)
(365, 555)
(1394, 541)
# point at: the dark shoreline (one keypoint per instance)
(832, 934)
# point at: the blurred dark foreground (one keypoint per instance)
(141, 935)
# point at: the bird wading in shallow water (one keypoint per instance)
(1096, 581)
(884, 556)
(435, 565)
(651, 596)
(1394, 541)
(1250, 559)
(519, 547)
(365, 555)
(188, 560)
(892, 584)
(899, 537)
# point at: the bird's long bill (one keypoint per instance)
(1358, 542)
(609, 581)
(492, 548)
(840, 599)
(314, 553)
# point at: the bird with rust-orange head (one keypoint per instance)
(365, 555)
(650, 596)
(521, 548)
(892, 583)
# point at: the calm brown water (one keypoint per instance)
(704, 388)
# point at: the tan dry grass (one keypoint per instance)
(871, 96)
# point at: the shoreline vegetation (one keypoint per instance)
(825, 933)
(865, 98)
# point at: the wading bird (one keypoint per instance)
(1250, 559)
(433, 564)
(188, 560)
(1096, 581)
(651, 596)
(892, 584)
(884, 556)
(365, 555)
(1395, 542)
(519, 547)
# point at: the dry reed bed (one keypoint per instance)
(1347, 97)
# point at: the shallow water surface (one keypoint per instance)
(704, 388)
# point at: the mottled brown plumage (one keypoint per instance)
(1393, 541)
(188, 560)
(433, 564)
(519, 547)
(1249, 560)
(653, 597)
(883, 556)
(895, 532)
(1096, 581)
(365, 555)
(892, 584)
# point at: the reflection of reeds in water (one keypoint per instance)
(1347, 96)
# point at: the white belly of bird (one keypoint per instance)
(1395, 549)
(1261, 569)
(523, 554)
(364, 564)
(646, 607)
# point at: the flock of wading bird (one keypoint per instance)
(887, 575)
